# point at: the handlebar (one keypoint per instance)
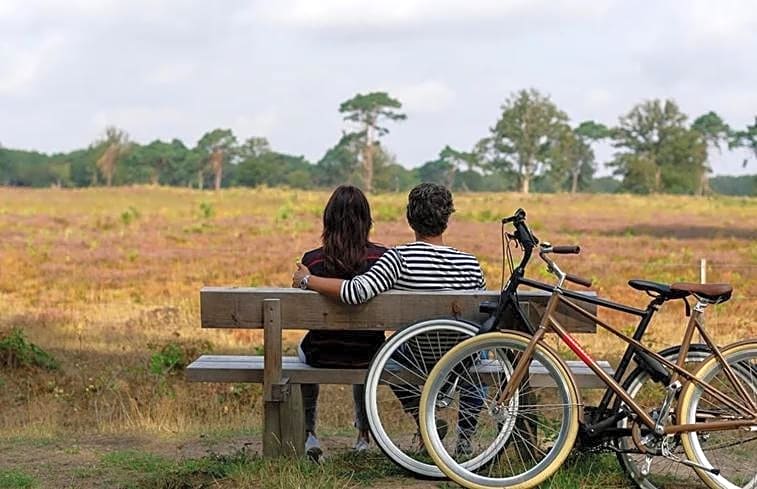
(566, 250)
(520, 215)
(578, 280)
(528, 241)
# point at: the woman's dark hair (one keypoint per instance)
(428, 209)
(346, 224)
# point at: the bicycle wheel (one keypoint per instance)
(649, 394)
(532, 436)
(393, 388)
(733, 451)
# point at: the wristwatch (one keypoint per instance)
(304, 282)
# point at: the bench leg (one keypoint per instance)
(284, 425)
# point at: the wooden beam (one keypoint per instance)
(240, 307)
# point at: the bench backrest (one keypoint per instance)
(242, 307)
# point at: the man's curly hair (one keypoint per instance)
(428, 209)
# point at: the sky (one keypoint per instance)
(280, 68)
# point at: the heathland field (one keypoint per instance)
(106, 281)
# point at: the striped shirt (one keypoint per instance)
(415, 266)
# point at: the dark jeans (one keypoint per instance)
(310, 403)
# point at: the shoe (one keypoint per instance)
(313, 448)
(362, 444)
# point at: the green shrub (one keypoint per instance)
(129, 215)
(16, 351)
(172, 357)
(207, 210)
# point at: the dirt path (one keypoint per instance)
(75, 462)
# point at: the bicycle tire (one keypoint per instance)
(381, 405)
(565, 415)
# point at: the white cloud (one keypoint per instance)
(426, 96)
(259, 124)
(143, 123)
(392, 14)
(170, 73)
(21, 67)
(725, 21)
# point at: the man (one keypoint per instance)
(425, 264)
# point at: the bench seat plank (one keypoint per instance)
(235, 368)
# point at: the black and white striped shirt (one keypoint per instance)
(415, 266)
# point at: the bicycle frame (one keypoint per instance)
(744, 406)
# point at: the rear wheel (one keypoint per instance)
(732, 451)
(649, 394)
(393, 389)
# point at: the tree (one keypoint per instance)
(714, 131)
(158, 163)
(340, 163)
(745, 139)
(446, 168)
(520, 141)
(216, 148)
(390, 176)
(587, 133)
(571, 161)
(657, 152)
(367, 111)
(592, 131)
(115, 144)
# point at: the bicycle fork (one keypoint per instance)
(523, 364)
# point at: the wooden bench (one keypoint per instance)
(274, 310)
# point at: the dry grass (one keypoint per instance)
(105, 278)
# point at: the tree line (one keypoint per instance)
(532, 146)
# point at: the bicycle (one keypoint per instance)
(715, 431)
(393, 388)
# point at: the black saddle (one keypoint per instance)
(658, 289)
(714, 293)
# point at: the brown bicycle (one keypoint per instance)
(704, 416)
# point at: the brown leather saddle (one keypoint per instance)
(711, 293)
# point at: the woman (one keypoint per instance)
(346, 252)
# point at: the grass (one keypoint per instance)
(14, 479)
(106, 281)
(135, 469)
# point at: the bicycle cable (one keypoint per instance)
(507, 256)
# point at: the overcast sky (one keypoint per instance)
(279, 69)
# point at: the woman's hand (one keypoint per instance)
(301, 272)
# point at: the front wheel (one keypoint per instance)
(732, 451)
(532, 433)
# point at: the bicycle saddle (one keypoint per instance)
(714, 293)
(663, 290)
